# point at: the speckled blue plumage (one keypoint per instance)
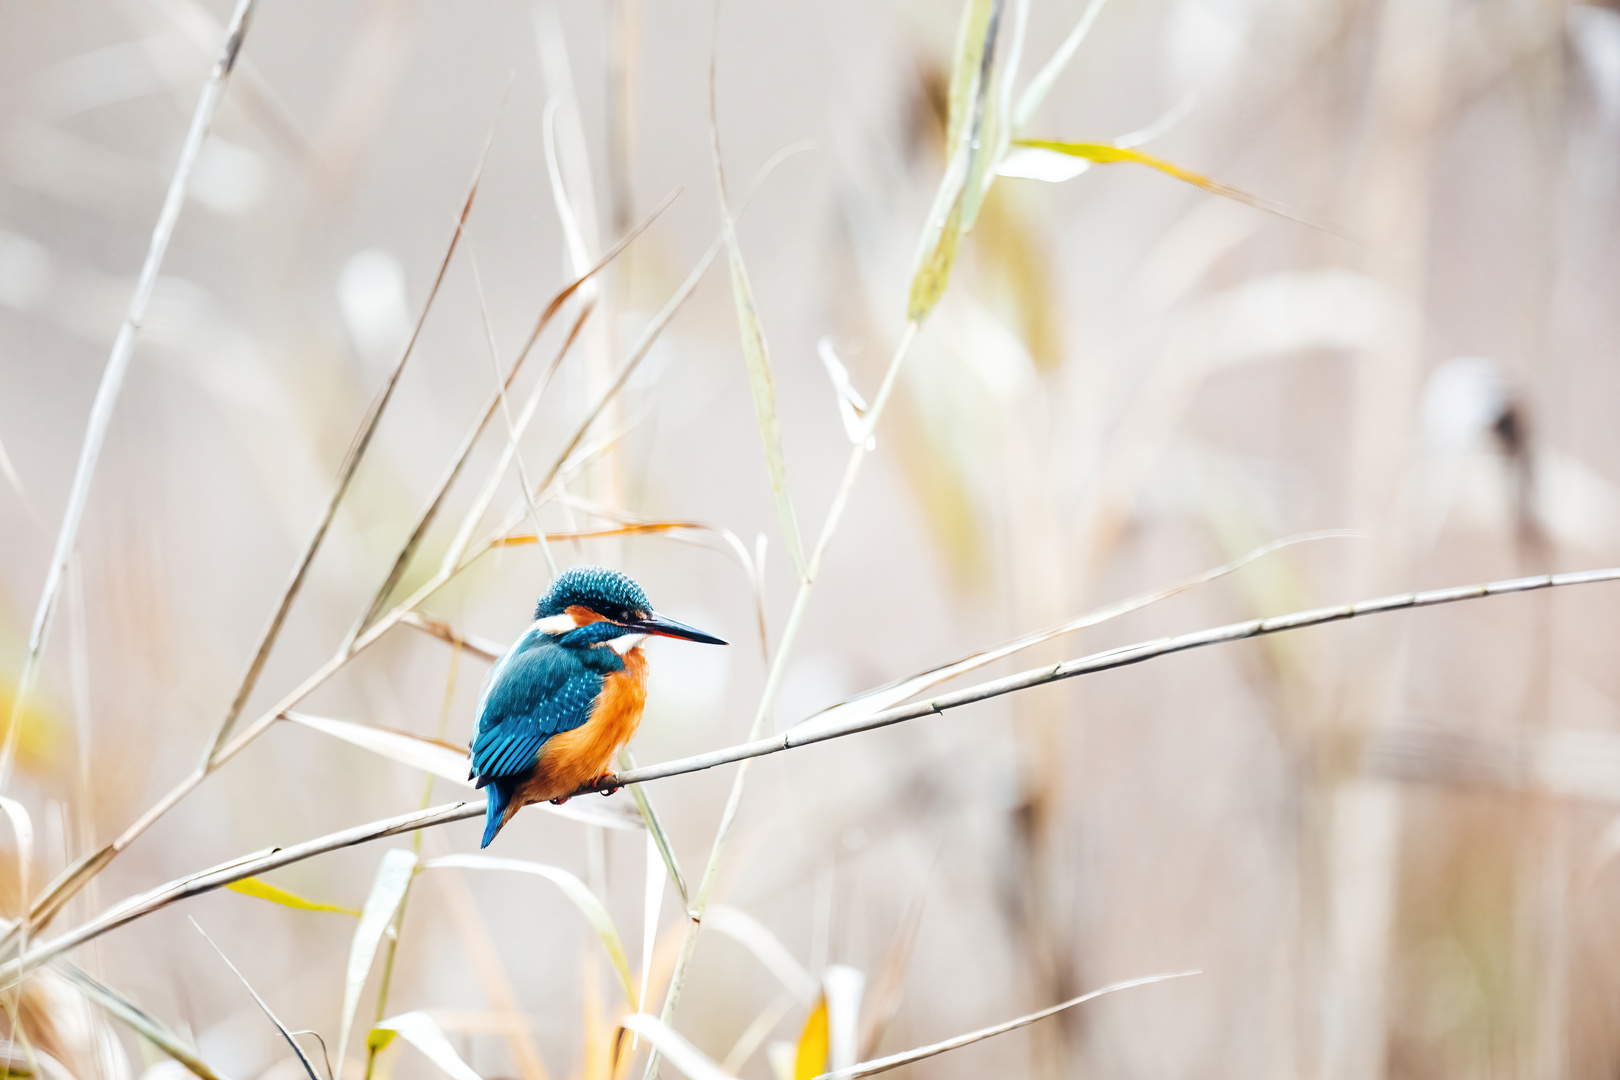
(604, 591)
(543, 686)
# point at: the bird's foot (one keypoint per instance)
(559, 800)
(605, 784)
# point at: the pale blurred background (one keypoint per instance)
(1389, 845)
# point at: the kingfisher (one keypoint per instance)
(559, 704)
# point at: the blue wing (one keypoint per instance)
(538, 690)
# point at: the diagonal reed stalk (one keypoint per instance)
(112, 377)
(773, 682)
(351, 464)
(262, 862)
(435, 501)
(76, 875)
(72, 879)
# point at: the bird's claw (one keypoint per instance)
(559, 800)
(605, 785)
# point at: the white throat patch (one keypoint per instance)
(626, 642)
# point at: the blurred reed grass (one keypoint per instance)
(1038, 447)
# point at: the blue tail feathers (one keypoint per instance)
(500, 793)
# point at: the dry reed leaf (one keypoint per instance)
(470, 440)
(1105, 154)
(655, 829)
(350, 465)
(388, 888)
(894, 1061)
(487, 965)
(506, 410)
(263, 890)
(589, 904)
(1033, 163)
(969, 88)
(640, 528)
(753, 564)
(442, 759)
(756, 354)
(303, 1058)
(445, 761)
(22, 829)
(638, 352)
(420, 1030)
(482, 648)
(1047, 77)
(10, 472)
(479, 1021)
(138, 1019)
(851, 405)
(573, 238)
(767, 948)
(887, 994)
(118, 362)
(990, 130)
(756, 1032)
(843, 986)
(693, 1062)
(601, 1043)
(568, 159)
(813, 1051)
(651, 907)
(15, 1062)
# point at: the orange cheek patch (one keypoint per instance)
(584, 616)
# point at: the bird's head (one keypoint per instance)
(584, 595)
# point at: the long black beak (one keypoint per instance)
(659, 626)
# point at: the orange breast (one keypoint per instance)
(573, 758)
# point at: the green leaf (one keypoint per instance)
(378, 1039)
(964, 155)
(576, 890)
(387, 892)
(263, 890)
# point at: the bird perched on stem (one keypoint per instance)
(557, 707)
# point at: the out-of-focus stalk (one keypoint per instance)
(773, 682)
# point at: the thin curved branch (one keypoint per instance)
(248, 866)
(1104, 661)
